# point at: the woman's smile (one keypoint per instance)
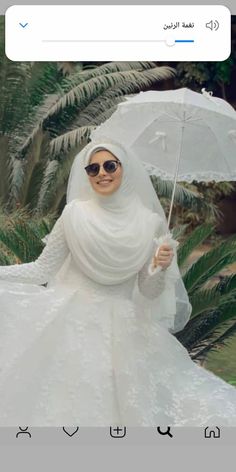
(104, 182)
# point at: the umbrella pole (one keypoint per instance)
(175, 177)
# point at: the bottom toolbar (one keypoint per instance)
(160, 435)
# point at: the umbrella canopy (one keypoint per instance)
(178, 134)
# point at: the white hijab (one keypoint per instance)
(110, 237)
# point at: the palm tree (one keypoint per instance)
(54, 115)
(213, 318)
(47, 112)
(46, 117)
(64, 120)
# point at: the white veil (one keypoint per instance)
(172, 307)
(79, 186)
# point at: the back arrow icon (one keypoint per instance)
(23, 25)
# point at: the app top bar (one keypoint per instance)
(118, 32)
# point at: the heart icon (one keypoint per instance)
(71, 431)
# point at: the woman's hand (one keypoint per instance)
(164, 256)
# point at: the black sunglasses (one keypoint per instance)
(109, 166)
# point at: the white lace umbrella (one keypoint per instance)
(179, 135)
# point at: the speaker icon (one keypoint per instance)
(213, 25)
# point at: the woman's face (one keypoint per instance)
(105, 183)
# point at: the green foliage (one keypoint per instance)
(21, 236)
(211, 330)
(47, 112)
(213, 319)
(210, 264)
(192, 242)
(208, 299)
(209, 75)
(211, 193)
(178, 231)
(185, 197)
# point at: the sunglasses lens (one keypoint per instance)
(110, 166)
(92, 169)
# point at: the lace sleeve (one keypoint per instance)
(172, 308)
(151, 282)
(47, 264)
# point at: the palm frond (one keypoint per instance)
(70, 140)
(103, 116)
(16, 177)
(205, 327)
(184, 197)
(86, 91)
(48, 181)
(28, 173)
(25, 135)
(217, 343)
(42, 226)
(210, 264)
(21, 240)
(54, 185)
(21, 235)
(6, 258)
(215, 297)
(14, 76)
(108, 68)
(82, 94)
(193, 241)
(5, 170)
(99, 109)
(44, 81)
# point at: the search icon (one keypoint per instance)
(164, 433)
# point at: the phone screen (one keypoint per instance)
(118, 235)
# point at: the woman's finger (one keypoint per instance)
(165, 246)
(165, 256)
(166, 249)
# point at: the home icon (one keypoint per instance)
(212, 432)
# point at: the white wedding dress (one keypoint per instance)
(76, 352)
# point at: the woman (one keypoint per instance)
(94, 347)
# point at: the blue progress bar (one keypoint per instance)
(184, 41)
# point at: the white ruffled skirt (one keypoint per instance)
(67, 359)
